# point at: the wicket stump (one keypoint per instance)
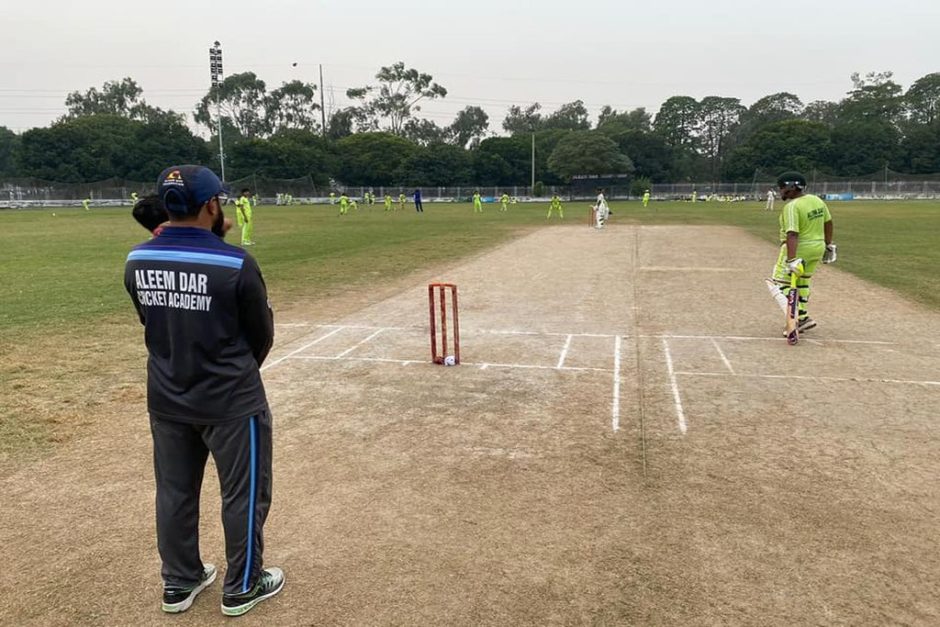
(437, 302)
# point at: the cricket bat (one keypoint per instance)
(793, 309)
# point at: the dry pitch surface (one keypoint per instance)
(628, 441)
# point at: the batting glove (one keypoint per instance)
(830, 255)
(795, 265)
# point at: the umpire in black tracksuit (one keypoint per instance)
(208, 327)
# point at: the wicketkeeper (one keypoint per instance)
(805, 240)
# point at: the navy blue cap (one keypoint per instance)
(185, 188)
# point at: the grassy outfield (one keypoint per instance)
(65, 272)
(70, 345)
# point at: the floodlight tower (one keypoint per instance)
(215, 71)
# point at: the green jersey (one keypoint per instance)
(805, 216)
(243, 209)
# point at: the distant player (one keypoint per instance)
(805, 240)
(694, 196)
(244, 216)
(343, 204)
(133, 198)
(646, 198)
(556, 206)
(332, 198)
(86, 203)
(601, 210)
(388, 202)
(504, 202)
(354, 204)
(477, 203)
(418, 206)
(371, 198)
(770, 200)
(401, 201)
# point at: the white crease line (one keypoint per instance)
(808, 378)
(546, 333)
(675, 387)
(535, 367)
(759, 338)
(402, 362)
(482, 366)
(366, 326)
(301, 349)
(615, 406)
(354, 347)
(722, 354)
(471, 332)
(564, 352)
(703, 268)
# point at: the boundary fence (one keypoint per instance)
(24, 193)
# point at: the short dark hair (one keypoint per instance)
(150, 212)
(245, 189)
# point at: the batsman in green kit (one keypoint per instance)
(805, 240)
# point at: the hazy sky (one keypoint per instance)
(492, 53)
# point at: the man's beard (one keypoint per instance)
(218, 227)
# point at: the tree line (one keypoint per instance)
(382, 139)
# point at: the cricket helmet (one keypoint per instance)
(791, 179)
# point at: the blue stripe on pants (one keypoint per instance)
(252, 496)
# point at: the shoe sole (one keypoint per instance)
(238, 610)
(182, 606)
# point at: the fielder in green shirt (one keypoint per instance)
(243, 214)
(555, 206)
(805, 240)
(388, 202)
(86, 203)
(646, 198)
(477, 203)
(343, 204)
(401, 201)
(504, 202)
